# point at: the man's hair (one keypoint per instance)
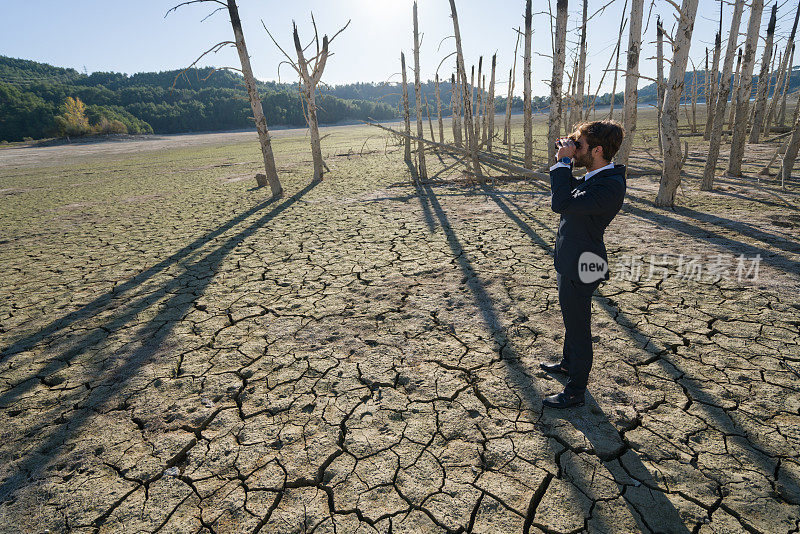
(607, 134)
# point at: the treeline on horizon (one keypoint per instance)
(34, 96)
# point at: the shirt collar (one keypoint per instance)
(592, 173)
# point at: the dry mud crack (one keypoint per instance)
(361, 355)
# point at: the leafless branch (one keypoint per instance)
(443, 40)
(175, 8)
(216, 48)
(207, 16)
(600, 10)
(291, 61)
(340, 31)
(442, 61)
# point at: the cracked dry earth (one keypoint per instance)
(179, 355)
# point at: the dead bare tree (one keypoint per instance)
(576, 111)
(470, 143)
(479, 104)
(631, 81)
(715, 136)
(490, 105)
(310, 72)
(428, 113)
(557, 78)
(739, 124)
(694, 98)
(439, 110)
(759, 107)
(791, 152)
(526, 107)
(785, 91)
(271, 171)
(455, 106)
(622, 23)
(422, 170)
(783, 70)
(511, 82)
(406, 111)
(660, 86)
(711, 103)
(737, 78)
(671, 170)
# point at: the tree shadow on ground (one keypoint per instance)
(772, 258)
(98, 304)
(183, 289)
(728, 422)
(651, 510)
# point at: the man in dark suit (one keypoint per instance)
(587, 206)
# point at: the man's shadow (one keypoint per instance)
(649, 506)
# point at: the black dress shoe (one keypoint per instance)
(563, 400)
(553, 368)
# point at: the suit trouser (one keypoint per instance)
(575, 299)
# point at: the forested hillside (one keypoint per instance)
(33, 95)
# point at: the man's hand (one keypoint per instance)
(566, 148)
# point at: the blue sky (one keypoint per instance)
(134, 36)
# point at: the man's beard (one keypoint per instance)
(583, 160)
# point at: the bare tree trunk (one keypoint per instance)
(759, 107)
(587, 107)
(715, 136)
(739, 124)
(659, 79)
(511, 83)
(671, 173)
(471, 144)
(791, 153)
(471, 134)
(507, 121)
(557, 79)
(485, 111)
(406, 111)
(439, 110)
(706, 84)
(422, 171)
(255, 104)
(616, 63)
(772, 73)
(712, 103)
(694, 101)
(632, 81)
(782, 115)
(576, 113)
(569, 98)
(782, 72)
(313, 126)
(737, 78)
(479, 103)
(430, 122)
(490, 107)
(455, 106)
(528, 125)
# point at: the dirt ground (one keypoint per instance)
(180, 354)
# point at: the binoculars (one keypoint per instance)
(559, 143)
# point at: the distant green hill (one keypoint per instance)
(33, 94)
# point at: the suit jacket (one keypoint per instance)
(587, 207)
